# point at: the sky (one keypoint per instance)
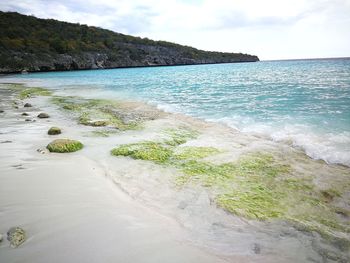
(270, 29)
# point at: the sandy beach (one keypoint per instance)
(91, 206)
(70, 208)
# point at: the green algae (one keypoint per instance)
(35, 91)
(179, 136)
(257, 186)
(149, 151)
(96, 112)
(102, 133)
(192, 152)
(64, 146)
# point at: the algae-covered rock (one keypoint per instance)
(64, 146)
(16, 236)
(54, 131)
(27, 105)
(43, 115)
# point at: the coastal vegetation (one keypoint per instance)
(33, 44)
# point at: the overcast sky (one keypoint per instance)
(271, 29)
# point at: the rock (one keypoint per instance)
(64, 146)
(1, 237)
(43, 115)
(54, 131)
(28, 119)
(256, 248)
(98, 123)
(42, 151)
(16, 236)
(6, 141)
(2, 111)
(27, 105)
(25, 114)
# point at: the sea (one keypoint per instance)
(305, 103)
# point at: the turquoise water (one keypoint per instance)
(305, 102)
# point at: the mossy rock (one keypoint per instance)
(54, 131)
(16, 236)
(64, 146)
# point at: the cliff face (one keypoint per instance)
(32, 44)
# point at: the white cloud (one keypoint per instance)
(271, 29)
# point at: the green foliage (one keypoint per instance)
(41, 37)
(64, 146)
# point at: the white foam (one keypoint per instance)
(331, 147)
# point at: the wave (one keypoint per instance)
(331, 147)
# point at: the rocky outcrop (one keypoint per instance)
(152, 56)
(66, 46)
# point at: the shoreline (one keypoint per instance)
(191, 206)
(319, 144)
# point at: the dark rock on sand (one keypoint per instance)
(28, 119)
(25, 114)
(256, 248)
(54, 131)
(43, 115)
(27, 105)
(2, 111)
(6, 142)
(16, 236)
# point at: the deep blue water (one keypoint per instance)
(305, 101)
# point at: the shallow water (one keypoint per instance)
(305, 103)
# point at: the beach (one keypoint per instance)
(153, 186)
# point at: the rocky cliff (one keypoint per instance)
(32, 44)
